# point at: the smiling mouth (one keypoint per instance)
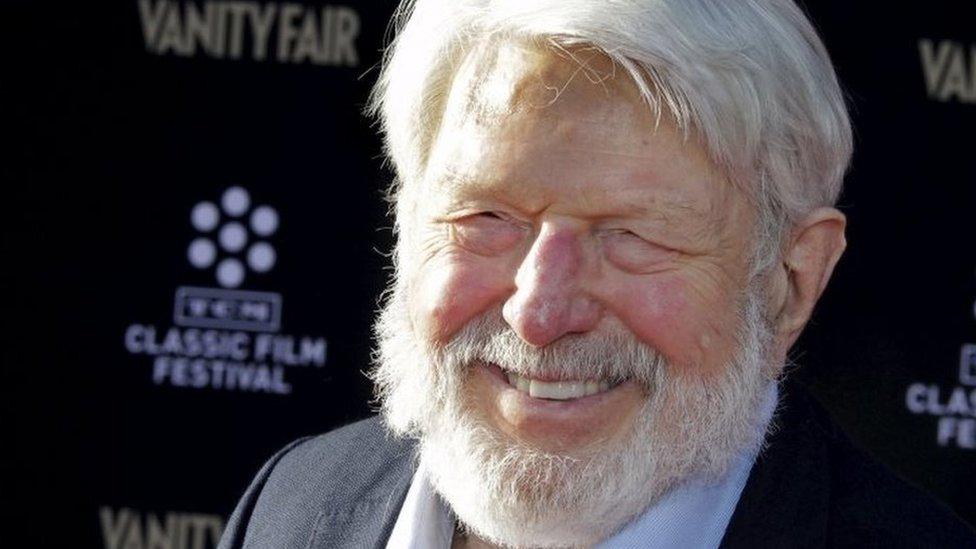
(557, 390)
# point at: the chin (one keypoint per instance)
(516, 495)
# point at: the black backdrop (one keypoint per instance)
(193, 237)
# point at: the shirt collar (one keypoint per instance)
(424, 522)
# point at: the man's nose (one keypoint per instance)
(551, 298)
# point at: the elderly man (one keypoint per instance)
(614, 219)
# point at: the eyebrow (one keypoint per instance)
(668, 208)
(457, 181)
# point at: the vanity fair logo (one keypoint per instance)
(225, 337)
(276, 32)
(949, 68)
(126, 528)
(955, 406)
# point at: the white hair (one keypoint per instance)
(750, 77)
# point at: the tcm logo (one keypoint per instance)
(231, 243)
(228, 226)
(210, 308)
(950, 70)
(224, 337)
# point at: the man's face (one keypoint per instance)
(551, 197)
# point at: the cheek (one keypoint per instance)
(451, 289)
(693, 334)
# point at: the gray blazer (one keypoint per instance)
(809, 488)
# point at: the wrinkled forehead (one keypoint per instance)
(499, 79)
(544, 100)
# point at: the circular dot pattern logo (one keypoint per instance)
(231, 237)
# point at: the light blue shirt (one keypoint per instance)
(695, 514)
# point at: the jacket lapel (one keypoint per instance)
(368, 522)
(785, 502)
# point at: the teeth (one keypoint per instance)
(556, 390)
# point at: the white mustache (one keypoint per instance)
(614, 356)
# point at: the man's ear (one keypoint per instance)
(816, 244)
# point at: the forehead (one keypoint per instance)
(549, 123)
(509, 78)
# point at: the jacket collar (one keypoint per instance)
(787, 495)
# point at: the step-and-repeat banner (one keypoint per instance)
(195, 235)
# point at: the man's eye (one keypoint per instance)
(633, 253)
(486, 233)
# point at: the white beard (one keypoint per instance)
(515, 495)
